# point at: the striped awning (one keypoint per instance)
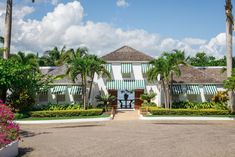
(75, 90)
(192, 89)
(210, 89)
(177, 89)
(125, 84)
(108, 67)
(59, 90)
(145, 67)
(126, 68)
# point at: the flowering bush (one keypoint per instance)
(9, 131)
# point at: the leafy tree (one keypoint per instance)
(21, 82)
(29, 59)
(202, 59)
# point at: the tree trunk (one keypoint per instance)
(229, 32)
(85, 95)
(8, 26)
(165, 94)
(89, 94)
(171, 91)
(3, 95)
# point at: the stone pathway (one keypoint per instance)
(126, 115)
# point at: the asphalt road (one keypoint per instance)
(130, 139)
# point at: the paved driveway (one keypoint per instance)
(130, 139)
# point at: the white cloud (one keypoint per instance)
(65, 25)
(122, 3)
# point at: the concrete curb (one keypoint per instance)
(185, 118)
(64, 121)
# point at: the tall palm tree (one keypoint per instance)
(160, 67)
(80, 66)
(174, 59)
(229, 42)
(97, 67)
(166, 66)
(8, 28)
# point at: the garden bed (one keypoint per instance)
(61, 118)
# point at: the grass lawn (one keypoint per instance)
(61, 118)
(229, 116)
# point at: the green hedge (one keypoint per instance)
(202, 112)
(66, 113)
(199, 105)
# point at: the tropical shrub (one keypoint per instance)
(9, 131)
(149, 104)
(220, 97)
(104, 100)
(199, 105)
(191, 112)
(66, 113)
(147, 96)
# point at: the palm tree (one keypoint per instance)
(160, 67)
(229, 40)
(166, 66)
(8, 28)
(98, 67)
(29, 59)
(80, 66)
(174, 60)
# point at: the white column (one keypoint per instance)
(203, 98)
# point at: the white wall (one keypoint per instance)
(137, 71)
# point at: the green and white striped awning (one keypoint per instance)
(59, 90)
(108, 67)
(210, 89)
(192, 89)
(75, 90)
(145, 67)
(126, 68)
(125, 84)
(177, 89)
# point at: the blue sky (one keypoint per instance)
(149, 25)
(170, 18)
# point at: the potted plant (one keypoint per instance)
(9, 132)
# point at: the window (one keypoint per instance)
(60, 98)
(43, 98)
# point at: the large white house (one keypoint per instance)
(128, 69)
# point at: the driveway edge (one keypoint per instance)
(186, 118)
(64, 121)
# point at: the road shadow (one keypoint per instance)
(79, 126)
(25, 134)
(186, 123)
(24, 151)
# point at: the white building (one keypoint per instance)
(128, 69)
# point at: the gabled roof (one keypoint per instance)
(61, 70)
(127, 53)
(201, 75)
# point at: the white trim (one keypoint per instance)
(127, 62)
(185, 118)
(64, 121)
(10, 150)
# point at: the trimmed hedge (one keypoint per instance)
(201, 112)
(66, 113)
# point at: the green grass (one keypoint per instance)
(61, 118)
(229, 116)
